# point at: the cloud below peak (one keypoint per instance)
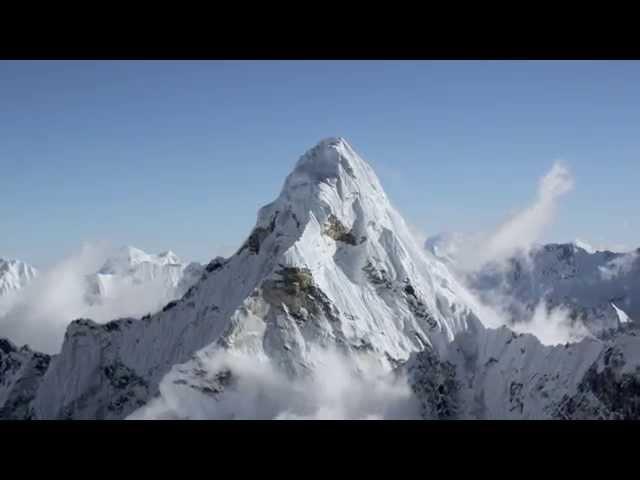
(522, 229)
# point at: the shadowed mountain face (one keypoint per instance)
(330, 309)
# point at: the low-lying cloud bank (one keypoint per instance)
(553, 326)
(335, 389)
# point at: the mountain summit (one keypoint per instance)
(14, 275)
(164, 276)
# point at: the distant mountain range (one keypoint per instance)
(599, 289)
(127, 267)
(14, 275)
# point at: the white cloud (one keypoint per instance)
(521, 230)
(418, 233)
(621, 265)
(39, 313)
(335, 389)
(589, 248)
(552, 327)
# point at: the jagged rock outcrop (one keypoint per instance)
(21, 371)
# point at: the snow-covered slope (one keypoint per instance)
(14, 275)
(129, 268)
(498, 374)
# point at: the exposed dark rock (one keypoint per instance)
(6, 346)
(434, 382)
(170, 305)
(408, 289)
(189, 293)
(515, 397)
(297, 291)
(125, 391)
(224, 377)
(112, 326)
(491, 361)
(215, 264)
(208, 385)
(363, 346)
(21, 373)
(336, 230)
(377, 276)
(120, 376)
(295, 219)
(258, 235)
(604, 392)
(417, 306)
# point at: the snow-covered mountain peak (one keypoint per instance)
(15, 274)
(157, 278)
(329, 260)
(125, 258)
(329, 161)
(332, 189)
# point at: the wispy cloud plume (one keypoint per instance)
(552, 326)
(521, 230)
(618, 266)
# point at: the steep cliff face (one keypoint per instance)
(499, 374)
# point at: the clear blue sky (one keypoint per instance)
(180, 155)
